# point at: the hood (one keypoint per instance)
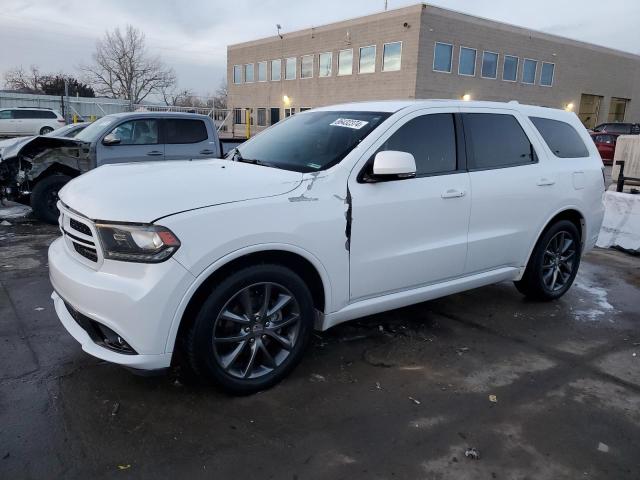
(11, 142)
(144, 192)
(32, 146)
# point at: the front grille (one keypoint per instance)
(87, 252)
(80, 227)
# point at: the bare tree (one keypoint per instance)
(122, 67)
(222, 93)
(25, 81)
(178, 98)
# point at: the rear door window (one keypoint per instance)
(561, 138)
(185, 131)
(6, 114)
(431, 139)
(496, 140)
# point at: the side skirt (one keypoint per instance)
(395, 300)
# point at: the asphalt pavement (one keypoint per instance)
(539, 390)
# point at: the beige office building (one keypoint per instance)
(428, 52)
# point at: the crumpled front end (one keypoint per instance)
(22, 163)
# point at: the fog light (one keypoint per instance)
(114, 341)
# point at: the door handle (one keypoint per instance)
(206, 152)
(453, 193)
(545, 182)
(154, 153)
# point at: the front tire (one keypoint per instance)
(553, 264)
(252, 330)
(45, 130)
(44, 198)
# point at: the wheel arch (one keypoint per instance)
(299, 260)
(574, 215)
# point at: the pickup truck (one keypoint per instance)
(32, 172)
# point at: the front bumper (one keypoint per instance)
(136, 301)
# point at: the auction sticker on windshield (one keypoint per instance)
(349, 123)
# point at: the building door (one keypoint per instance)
(617, 109)
(275, 115)
(589, 109)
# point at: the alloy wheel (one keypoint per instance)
(256, 330)
(558, 261)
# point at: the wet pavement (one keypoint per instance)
(540, 390)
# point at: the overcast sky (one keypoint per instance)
(191, 36)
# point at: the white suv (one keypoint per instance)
(329, 215)
(29, 121)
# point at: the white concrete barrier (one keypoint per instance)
(621, 224)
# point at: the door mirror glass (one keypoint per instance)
(111, 139)
(393, 165)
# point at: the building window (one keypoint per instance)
(467, 61)
(589, 109)
(489, 65)
(617, 109)
(306, 66)
(262, 117)
(392, 57)
(304, 109)
(238, 116)
(325, 61)
(529, 71)
(262, 71)
(248, 73)
(510, 68)
(290, 69)
(237, 74)
(442, 55)
(289, 111)
(367, 59)
(276, 70)
(345, 62)
(546, 74)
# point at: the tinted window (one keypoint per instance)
(529, 71)
(137, 132)
(546, 76)
(185, 131)
(561, 138)
(33, 114)
(489, 65)
(431, 139)
(467, 62)
(495, 141)
(5, 114)
(620, 128)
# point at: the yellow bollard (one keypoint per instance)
(247, 119)
(92, 118)
(75, 118)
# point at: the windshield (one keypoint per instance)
(309, 141)
(90, 133)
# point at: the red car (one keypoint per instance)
(606, 145)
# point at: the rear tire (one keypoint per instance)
(553, 264)
(45, 130)
(45, 196)
(245, 344)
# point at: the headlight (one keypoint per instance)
(137, 243)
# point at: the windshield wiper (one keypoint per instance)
(237, 157)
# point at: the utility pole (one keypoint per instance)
(66, 100)
(385, 5)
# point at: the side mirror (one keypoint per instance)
(111, 139)
(393, 165)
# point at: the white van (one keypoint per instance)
(327, 216)
(29, 121)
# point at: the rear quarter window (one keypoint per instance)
(561, 138)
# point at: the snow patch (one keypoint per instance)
(597, 295)
(14, 210)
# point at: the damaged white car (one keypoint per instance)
(329, 215)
